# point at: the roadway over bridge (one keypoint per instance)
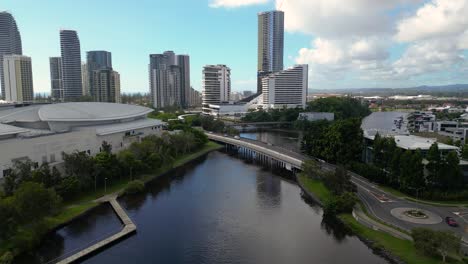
(286, 158)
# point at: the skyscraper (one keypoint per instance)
(71, 65)
(18, 78)
(287, 88)
(96, 60)
(216, 84)
(106, 85)
(10, 42)
(270, 44)
(183, 61)
(85, 79)
(169, 76)
(56, 86)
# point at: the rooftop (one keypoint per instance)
(414, 142)
(90, 111)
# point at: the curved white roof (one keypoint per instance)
(90, 111)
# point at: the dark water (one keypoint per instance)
(222, 210)
(284, 138)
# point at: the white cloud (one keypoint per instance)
(236, 3)
(439, 18)
(338, 18)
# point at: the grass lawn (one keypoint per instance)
(316, 187)
(403, 249)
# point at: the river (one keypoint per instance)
(218, 209)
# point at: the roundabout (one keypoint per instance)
(416, 215)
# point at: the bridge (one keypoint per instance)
(268, 154)
(244, 124)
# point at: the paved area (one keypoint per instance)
(429, 218)
(128, 228)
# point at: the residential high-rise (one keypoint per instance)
(56, 87)
(85, 79)
(287, 88)
(216, 84)
(96, 60)
(270, 44)
(18, 78)
(169, 76)
(10, 42)
(106, 85)
(195, 98)
(183, 61)
(71, 65)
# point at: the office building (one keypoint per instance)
(270, 44)
(18, 78)
(69, 127)
(287, 88)
(216, 84)
(56, 87)
(169, 76)
(106, 85)
(71, 65)
(10, 42)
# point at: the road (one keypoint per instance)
(380, 203)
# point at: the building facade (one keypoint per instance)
(56, 87)
(69, 127)
(270, 44)
(169, 82)
(96, 60)
(195, 98)
(18, 78)
(71, 65)
(10, 42)
(106, 86)
(216, 84)
(287, 88)
(85, 79)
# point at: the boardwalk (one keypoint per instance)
(129, 228)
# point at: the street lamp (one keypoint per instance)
(105, 185)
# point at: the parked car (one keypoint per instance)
(450, 221)
(236, 137)
(225, 135)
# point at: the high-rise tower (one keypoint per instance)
(18, 78)
(56, 86)
(10, 42)
(216, 84)
(270, 44)
(96, 60)
(71, 65)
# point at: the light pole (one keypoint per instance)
(105, 185)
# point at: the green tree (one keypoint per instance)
(434, 165)
(69, 187)
(312, 169)
(339, 181)
(342, 107)
(33, 202)
(19, 173)
(8, 218)
(452, 176)
(81, 165)
(464, 153)
(44, 175)
(431, 242)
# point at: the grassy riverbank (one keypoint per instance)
(403, 249)
(87, 201)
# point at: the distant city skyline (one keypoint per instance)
(402, 47)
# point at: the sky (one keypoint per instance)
(347, 44)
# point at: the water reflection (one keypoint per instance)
(268, 191)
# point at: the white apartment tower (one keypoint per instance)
(287, 88)
(216, 84)
(18, 78)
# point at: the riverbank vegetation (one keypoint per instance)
(315, 181)
(38, 198)
(437, 177)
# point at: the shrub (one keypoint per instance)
(135, 186)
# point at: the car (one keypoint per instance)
(211, 132)
(450, 221)
(236, 137)
(225, 135)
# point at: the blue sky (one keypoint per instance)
(131, 30)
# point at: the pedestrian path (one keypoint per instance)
(129, 228)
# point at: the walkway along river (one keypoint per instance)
(218, 209)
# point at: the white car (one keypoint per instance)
(236, 137)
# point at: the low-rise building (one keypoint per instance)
(43, 132)
(314, 116)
